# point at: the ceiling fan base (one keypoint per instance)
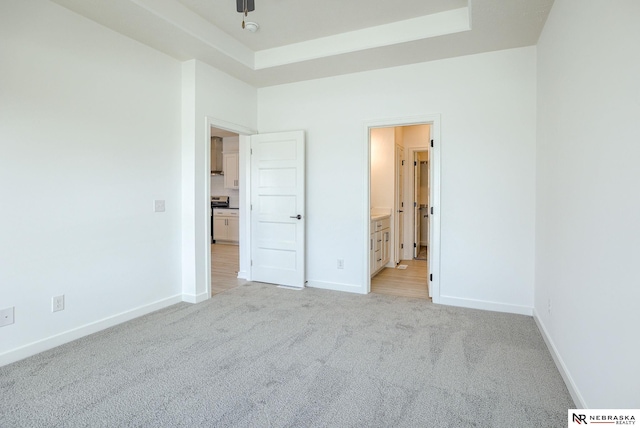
(250, 4)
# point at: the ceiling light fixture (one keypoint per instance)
(244, 7)
(251, 26)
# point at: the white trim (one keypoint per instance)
(486, 305)
(244, 189)
(228, 126)
(434, 198)
(85, 330)
(196, 298)
(562, 368)
(245, 207)
(336, 286)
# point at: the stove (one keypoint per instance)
(219, 202)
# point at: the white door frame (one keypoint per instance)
(434, 220)
(245, 191)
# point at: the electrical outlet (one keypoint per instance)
(57, 303)
(158, 206)
(6, 316)
(340, 263)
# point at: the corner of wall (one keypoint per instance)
(562, 368)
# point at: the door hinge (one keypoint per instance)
(403, 163)
(430, 277)
(250, 151)
(414, 245)
(415, 204)
(431, 210)
(402, 204)
(251, 262)
(415, 163)
(431, 143)
(250, 207)
(401, 246)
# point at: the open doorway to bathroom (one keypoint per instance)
(399, 203)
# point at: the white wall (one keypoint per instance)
(89, 137)
(206, 93)
(587, 229)
(383, 175)
(382, 168)
(487, 103)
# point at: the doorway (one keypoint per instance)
(225, 199)
(414, 171)
(245, 268)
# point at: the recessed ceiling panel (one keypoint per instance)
(283, 22)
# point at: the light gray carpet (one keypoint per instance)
(260, 356)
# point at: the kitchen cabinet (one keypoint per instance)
(380, 243)
(231, 169)
(226, 225)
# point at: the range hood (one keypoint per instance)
(216, 156)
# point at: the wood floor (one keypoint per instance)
(409, 282)
(225, 264)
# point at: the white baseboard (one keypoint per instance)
(85, 330)
(195, 298)
(485, 305)
(243, 275)
(349, 288)
(562, 368)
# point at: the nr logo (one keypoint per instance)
(580, 419)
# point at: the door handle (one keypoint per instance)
(296, 216)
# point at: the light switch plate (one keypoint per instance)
(158, 206)
(6, 316)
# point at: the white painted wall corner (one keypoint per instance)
(562, 368)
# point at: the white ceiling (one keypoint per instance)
(307, 39)
(283, 22)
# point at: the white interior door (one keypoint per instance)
(427, 202)
(277, 208)
(399, 204)
(416, 204)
